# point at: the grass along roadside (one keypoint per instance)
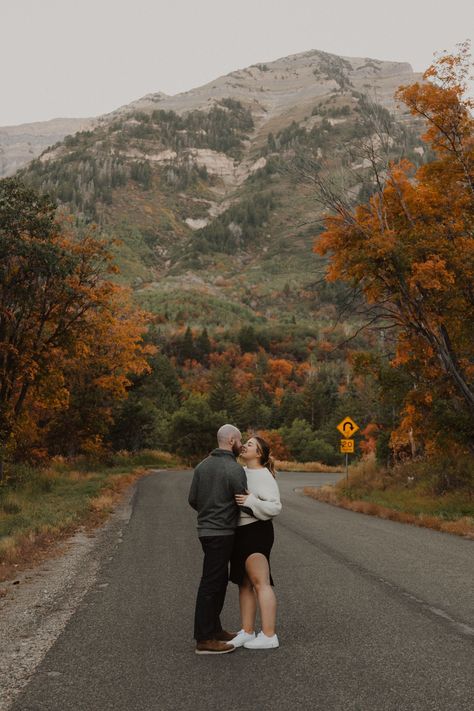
(39, 508)
(318, 467)
(402, 497)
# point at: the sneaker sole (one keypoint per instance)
(274, 646)
(205, 651)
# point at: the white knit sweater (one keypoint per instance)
(264, 497)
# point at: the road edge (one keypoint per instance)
(370, 509)
(40, 600)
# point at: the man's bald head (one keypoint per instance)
(229, 437)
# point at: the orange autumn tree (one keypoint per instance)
(96, 378)
(411, 251)
(61, 317)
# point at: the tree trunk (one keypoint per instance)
(453, 368)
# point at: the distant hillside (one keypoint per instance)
(201, 188)
(21, 144)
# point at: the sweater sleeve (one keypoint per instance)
(237, 480)
(268, 507)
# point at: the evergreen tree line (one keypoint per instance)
(92, 167)
(237, 228)
(222, 128)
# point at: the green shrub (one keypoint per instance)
(316, 450)
(194, 426)
(10, 507)
(304, 444)
(19, 475)
(441, 474)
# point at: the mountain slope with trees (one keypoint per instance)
(186, 181)
(212, 200)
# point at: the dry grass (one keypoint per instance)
(286, 466)
(407, 494)
(112, 493)
(462, 526)
(24, 548)
(42, 508)
(366, 475)
(80, 476)
(27, 549)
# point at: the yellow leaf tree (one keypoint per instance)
(61, 316)
(411, 250)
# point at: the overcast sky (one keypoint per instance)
(79, 58)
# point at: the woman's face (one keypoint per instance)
(250, 450)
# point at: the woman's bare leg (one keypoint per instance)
(259, 575)
(248, 605)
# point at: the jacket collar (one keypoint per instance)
(218, 452)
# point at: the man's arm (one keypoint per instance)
(193, 491)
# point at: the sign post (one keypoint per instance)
(347, 428)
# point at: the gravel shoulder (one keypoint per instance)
(36, 605)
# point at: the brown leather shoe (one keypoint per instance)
(213, 646)
(224, 636)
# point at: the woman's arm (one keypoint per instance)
(263, 507)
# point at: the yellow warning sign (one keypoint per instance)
(347, 427)
(347, 446)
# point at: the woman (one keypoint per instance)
(250, 561)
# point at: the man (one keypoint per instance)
(215, 482)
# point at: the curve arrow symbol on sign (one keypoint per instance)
(347, 427)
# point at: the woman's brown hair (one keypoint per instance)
(266, 459)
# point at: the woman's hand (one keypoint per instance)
(240, 499)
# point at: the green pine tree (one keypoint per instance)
(203, 347)
(223, 394)
(248, 339)
(187, 350)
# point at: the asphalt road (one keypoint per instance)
(374, 615)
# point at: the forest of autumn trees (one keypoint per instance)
(83, 371)
(410, 249)
(69, 337)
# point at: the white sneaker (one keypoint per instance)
(241, 638)
(261, 641)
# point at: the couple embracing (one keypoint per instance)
(235, 506)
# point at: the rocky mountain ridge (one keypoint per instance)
(201, 190)
(276, 87)
(271, 89)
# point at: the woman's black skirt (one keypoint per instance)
(251, 538)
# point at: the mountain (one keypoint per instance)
(21, 144)
(286, 82)
(201, 188)
(275, 88)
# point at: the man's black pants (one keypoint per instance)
(213, 586)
